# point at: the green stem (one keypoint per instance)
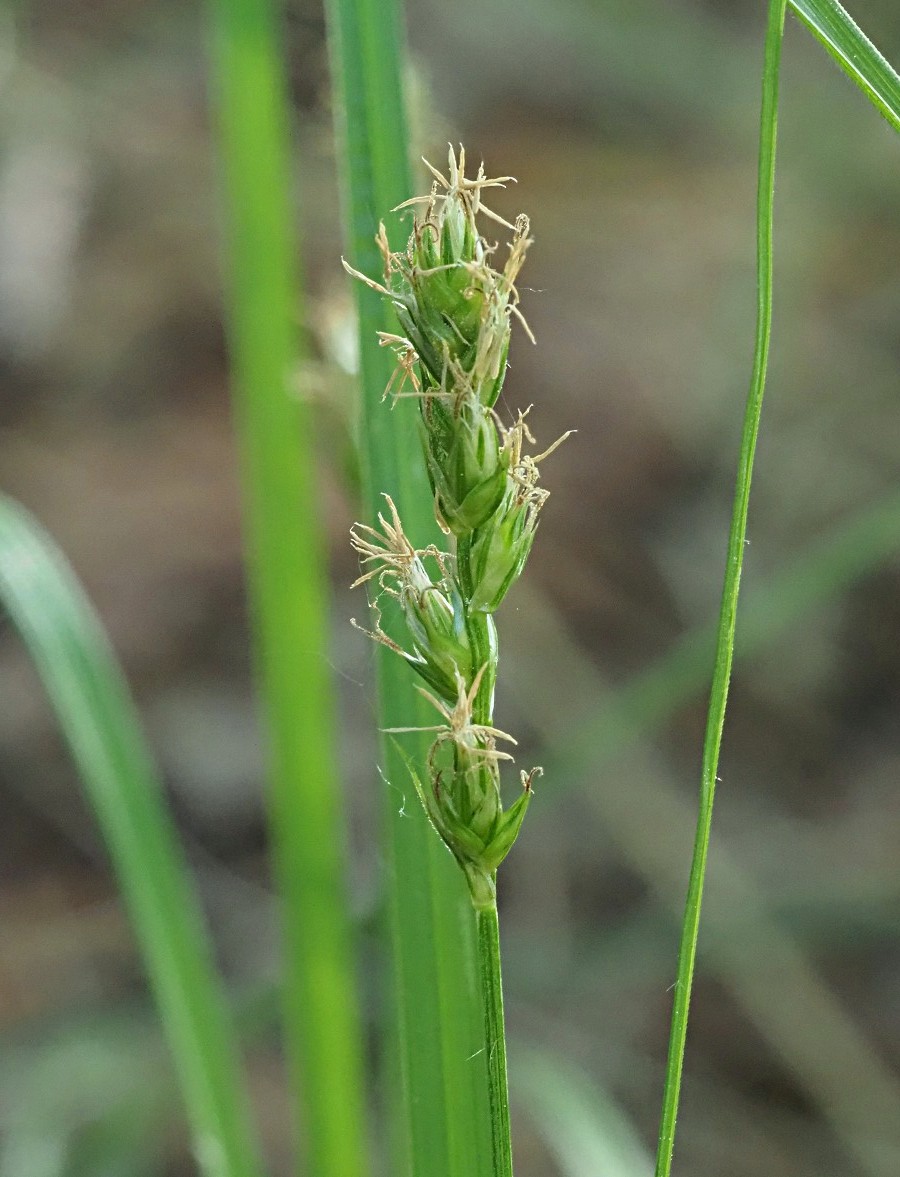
(494, 1037)
(286, 570)
(481, 634)
(728, 612)
(437, 1097)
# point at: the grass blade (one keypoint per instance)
(97, 716)
(587, 1133)
(775, 983)
(836, 30)
(728, 614)
(286, 571)
(442, 1128)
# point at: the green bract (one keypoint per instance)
(455, 311)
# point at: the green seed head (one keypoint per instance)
(453, 305)
(466, 464)
(433, 610)
(455, 310)
(500, 548)
(464, 803)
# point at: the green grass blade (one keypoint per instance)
(587, 1133)
(833, 26)
(728, 614)
(442, 1128)
(488, 930)
(286, 571)
(92, 703)
(775, 984)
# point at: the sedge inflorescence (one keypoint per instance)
(455, 311)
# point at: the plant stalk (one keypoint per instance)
(478, 629)
(438, 1104)
(484, 491)
(488, 930)
(728, 611)
(288, 593)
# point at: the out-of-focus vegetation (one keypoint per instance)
(632, 127)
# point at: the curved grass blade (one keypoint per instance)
(94, 709)
(728, 615)
(836, 30)
(286, 568)
(440, 1113)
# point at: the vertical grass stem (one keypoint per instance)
(488, 930)
(286, 570)
(728, 612)
(437, 1092)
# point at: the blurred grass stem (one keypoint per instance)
(286, 568)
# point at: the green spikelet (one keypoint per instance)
(455, 311)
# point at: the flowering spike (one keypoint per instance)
(455, 311)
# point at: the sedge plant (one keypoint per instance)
(455, 311)
(455, 315)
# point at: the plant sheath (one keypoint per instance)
(286, 572)
(728, 611)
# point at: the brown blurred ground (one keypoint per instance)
(631, 129)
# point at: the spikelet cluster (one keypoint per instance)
(455, 310)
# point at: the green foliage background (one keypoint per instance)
(632, 131)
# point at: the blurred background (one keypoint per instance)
(632, 130)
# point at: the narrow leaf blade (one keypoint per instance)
(91, 700)
(286, 562)
(833, 26)
(441, 1127)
